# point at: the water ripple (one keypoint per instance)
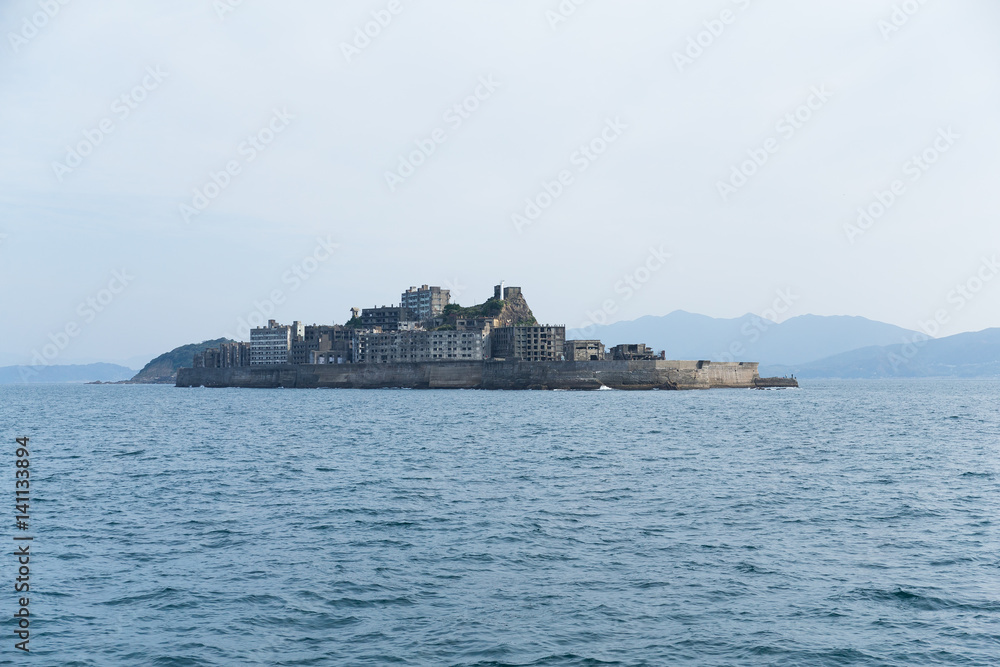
(847, 523)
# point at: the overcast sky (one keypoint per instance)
(622, 122)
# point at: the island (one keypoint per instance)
(426, 342)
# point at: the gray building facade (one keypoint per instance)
(425, 302)
(538, 343)
(397, 347)
(634, 352)
(272, 344)
(388, 318)
(584, 350)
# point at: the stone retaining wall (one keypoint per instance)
(483, 375)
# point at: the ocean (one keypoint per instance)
(843, 523)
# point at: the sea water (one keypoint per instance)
(840, 523)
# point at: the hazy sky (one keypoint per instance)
(359, 165)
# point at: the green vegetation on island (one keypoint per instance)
(489, 308)
(163, 369)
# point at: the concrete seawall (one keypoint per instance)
(484, 375)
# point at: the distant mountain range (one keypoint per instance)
(963, 355)
(161, 370)
(81, 373)
(797, 340)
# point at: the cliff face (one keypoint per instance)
(516, 311)
(510, 309)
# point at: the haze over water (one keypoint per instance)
(843, 523)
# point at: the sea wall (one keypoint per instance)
(456, 375)
(480, 375)
(618, 375)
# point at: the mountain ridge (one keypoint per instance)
(970, 354)
(65, 373)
